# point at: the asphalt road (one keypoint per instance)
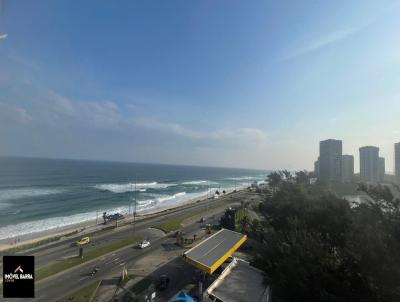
(59, 285)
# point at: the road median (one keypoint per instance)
(70, 263)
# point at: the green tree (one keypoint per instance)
(318, 248)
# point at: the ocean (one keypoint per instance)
(42, 194)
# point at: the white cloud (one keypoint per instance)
(93, 129)
(97, 113)
(3, 36)
(324, 41)
(10, 113)
(224, 136)
(23, 115)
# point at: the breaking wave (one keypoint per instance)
(200, 182)
(130, 187)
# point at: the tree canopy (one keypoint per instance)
(316, 247)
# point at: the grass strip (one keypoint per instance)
(82, 295)
(62, 265)
(170, 225)
(174, 224)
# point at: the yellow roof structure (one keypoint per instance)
(209, 254)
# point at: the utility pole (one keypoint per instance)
(130, 203)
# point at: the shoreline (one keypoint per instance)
(90, 226)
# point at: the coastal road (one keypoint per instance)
(59, 285)
(111, 265)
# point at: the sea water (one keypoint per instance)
(42, 194)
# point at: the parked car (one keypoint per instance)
(144, 244)
(83, 241)
(116, 216)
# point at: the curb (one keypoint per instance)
(95, 291)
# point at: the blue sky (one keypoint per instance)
(228, 83)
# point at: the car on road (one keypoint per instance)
(144, 244)
(83, 241)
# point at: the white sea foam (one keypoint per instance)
(200, 182)
(195, 182)
(157, 199)
(129, 187)
(25, 228)
(12, 194)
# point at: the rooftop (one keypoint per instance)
(209, 254)
(239, 282)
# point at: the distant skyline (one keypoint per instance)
(216, 83)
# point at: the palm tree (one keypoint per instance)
(302, 177)
(288, 175)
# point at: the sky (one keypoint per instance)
(252, 84)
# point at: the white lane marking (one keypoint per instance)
(123, 263)
(116, 259)
(68, 256)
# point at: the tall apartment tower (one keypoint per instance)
(397, 161)
(330, 159)
(347, 168)
(381, 169)
(369, 164)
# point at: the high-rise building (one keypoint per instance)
(347, 168)
(381, 169)
(316, 168)
(397, 161)
(330, 159)
(369, 164)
